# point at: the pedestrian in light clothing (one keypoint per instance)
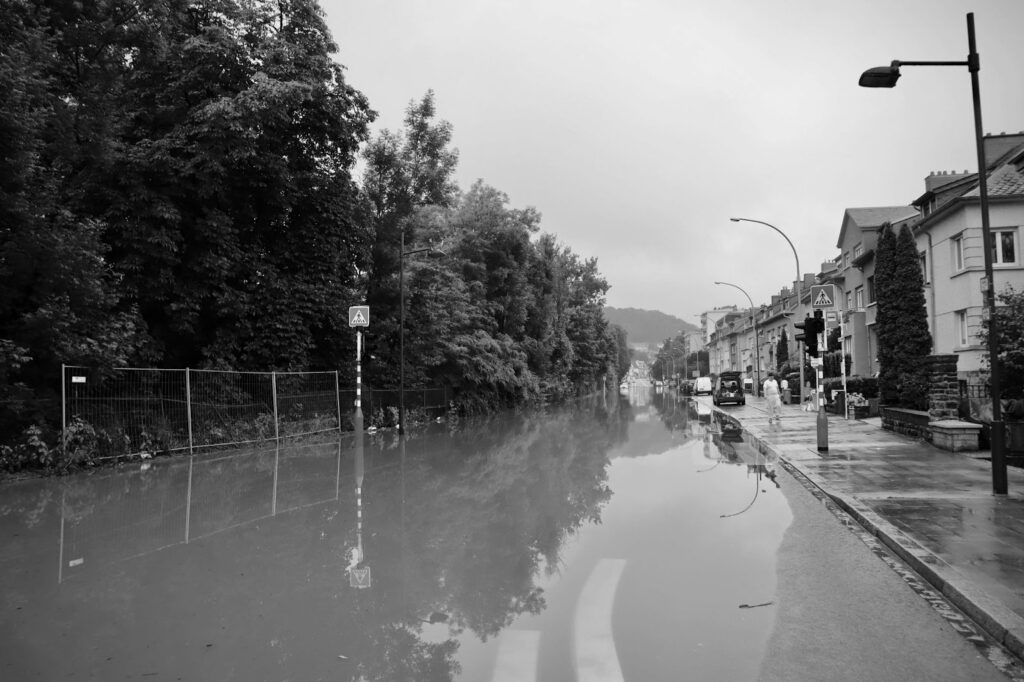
(771, 393)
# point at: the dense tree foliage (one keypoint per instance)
(176, 189)
(673, 359)
(502, 317)
(903, 337)
(1010, 318)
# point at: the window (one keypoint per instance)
(846, 259)
(1004, 247)
(871, 289)
(958, 252)
(858, 251)
(849, 300)
(961, 327)
(860, 297)
(924, 267)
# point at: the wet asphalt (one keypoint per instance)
(933, 508)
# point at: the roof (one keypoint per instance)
(1005, 181)
(873, 217)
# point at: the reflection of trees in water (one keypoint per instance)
(462, 527)
(487, 510)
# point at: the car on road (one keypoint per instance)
(729, 389)
(703, 386)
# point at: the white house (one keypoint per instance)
(949, 238)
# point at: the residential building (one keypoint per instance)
(853, 274)
(949, 238)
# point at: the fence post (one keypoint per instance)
(188, 406)
(64, 408)
(337, 397)
(273, 388)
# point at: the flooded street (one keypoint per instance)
(630, 540)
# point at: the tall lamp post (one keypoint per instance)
(401, 326)
(757, 348)
(796, 284)
(886, 77)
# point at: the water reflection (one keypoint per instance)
(257, 565)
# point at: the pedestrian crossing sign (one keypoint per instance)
(359, 316)
(823, 296)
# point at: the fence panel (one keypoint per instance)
(229, 408)
(126, 410)
(307, 402)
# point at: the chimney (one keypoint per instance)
(996, 146)
(937, 179)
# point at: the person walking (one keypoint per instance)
(774, 398)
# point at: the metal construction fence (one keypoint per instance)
(127, 411)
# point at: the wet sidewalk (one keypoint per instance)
(934, 509)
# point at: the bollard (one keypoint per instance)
(822, 417)
(822, 429)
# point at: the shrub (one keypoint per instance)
(29, 451)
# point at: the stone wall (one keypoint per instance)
(944, 387)
(912, 423)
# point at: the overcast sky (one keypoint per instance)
(638, 127)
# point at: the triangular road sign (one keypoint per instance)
(823, 296)
(359, 316)
(359, 577)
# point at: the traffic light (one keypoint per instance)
(812, 327)
(804, 329)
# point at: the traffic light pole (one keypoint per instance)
(819, 328)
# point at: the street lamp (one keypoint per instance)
(401, 326)
(886, 77)
(757, 347)
(796, 285)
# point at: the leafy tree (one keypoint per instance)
(60, 299)
(1010, 316)
(232, 212)
(406, 172)
(903, 337)
(623, 353)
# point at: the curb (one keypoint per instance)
(1002, 624)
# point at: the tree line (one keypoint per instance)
(179, 188)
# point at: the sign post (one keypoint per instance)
(822, 296)
(359, 316)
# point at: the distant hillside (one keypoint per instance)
(646, 326)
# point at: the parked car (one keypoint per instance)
(703, 386)
(729, 389)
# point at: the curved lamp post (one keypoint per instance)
(401, 326)
(757, 347)
(886, 77)
(796, 284)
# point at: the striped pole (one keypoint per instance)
(358, 421)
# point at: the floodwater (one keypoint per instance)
(624, 538)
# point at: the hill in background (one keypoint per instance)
(646, 326)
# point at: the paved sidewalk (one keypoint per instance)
(933, 508)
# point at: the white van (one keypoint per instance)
(703, 386)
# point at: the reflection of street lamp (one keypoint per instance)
(796, 284)
(886, 77)
(401, 327)
(757, 348)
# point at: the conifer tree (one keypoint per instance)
(902, 321)
(782, 351)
